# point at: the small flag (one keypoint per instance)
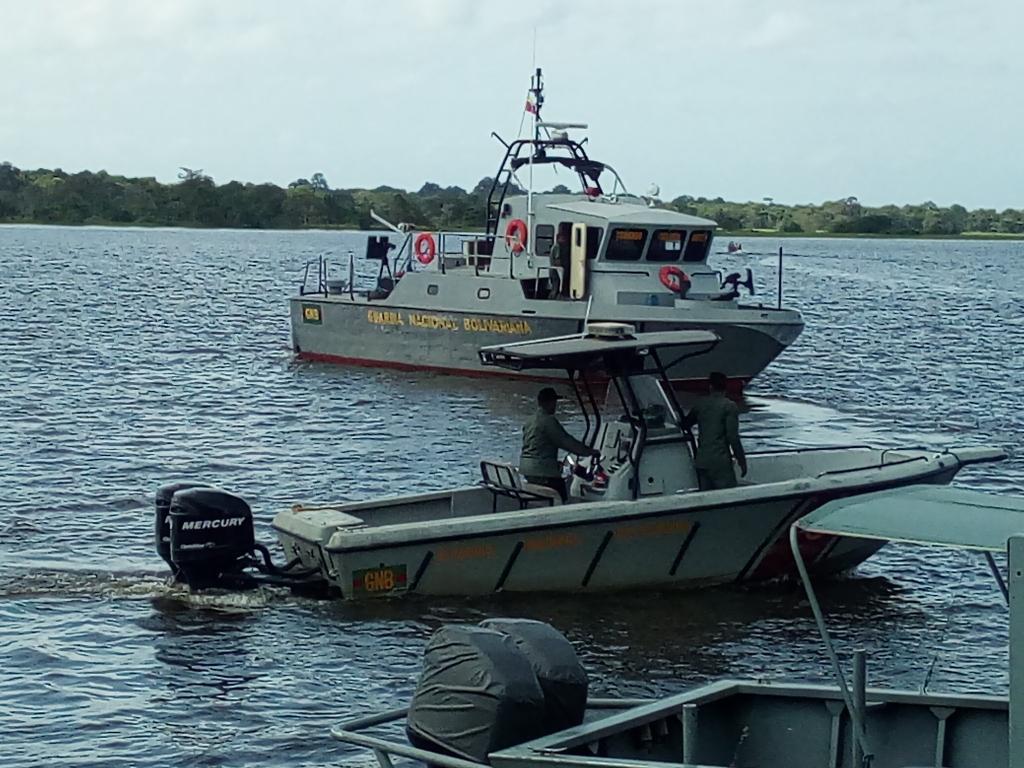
(531, 107)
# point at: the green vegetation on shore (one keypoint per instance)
(54, 197)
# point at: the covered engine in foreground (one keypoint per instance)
(563, 681)
(206, 536)
(485, 688)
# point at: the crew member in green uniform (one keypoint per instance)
(718, 441)
(543, 436)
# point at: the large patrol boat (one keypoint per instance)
(544, 266)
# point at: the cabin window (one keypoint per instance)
(594, 241)
(666, 245)
(697, 247)
(544, 237)
(432, 289)
(626, 244)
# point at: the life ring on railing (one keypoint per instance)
(515, 235)
(674, 279)
(424, 247)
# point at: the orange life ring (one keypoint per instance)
(425, 248)
(674, 279)
(515, 235)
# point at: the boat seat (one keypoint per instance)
(503, 479)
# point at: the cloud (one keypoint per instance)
(803, 99)
(777, 29)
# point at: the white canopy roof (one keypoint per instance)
(924, 514)
(584, 351)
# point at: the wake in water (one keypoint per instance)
(57, 584)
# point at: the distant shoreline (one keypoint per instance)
(55, 197)
(756, 234)
(766, 234)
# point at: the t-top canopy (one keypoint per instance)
(581, 352)
(923, 514)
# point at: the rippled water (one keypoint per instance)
(131, 358)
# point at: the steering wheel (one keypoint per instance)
(576, 466)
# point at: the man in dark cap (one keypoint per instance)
(543, 436)
(718, 437)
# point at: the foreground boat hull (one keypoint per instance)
(411, 338)
(684, 540)
(743, 723)
(776, 725)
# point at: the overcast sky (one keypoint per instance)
(802, 100)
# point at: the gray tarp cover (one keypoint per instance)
(477, 694)
(562, 678)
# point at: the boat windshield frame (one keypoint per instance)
(615, 360)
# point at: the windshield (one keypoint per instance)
(666, 245)
(626, 244)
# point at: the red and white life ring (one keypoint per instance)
(424, 247)
(516, 235)
(674, 279)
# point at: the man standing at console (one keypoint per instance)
(718, 441)
(543, 436)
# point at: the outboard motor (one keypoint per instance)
(477, 694)
(162, 529)
(211, 536)
(490, 687)
(206, 536)
(561, 676)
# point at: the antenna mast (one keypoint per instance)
(537, 93)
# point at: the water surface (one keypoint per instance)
(132, 358)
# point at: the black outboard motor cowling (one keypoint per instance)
(211, 536)
(162, 528)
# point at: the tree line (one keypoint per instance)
(46, 196)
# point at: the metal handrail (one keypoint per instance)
(880, 465)
(321, 275)
(351, 276)
(350, 733)
(768, 451)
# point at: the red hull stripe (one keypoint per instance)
(735, 385)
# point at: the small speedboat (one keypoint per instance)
(635, 521)
(512, 693)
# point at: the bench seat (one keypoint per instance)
(503, 479)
